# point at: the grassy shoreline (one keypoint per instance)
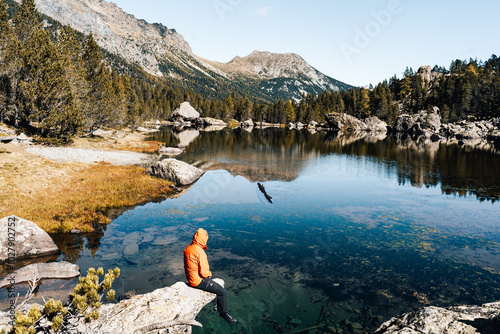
(61, 196)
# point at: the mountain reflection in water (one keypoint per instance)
(280, 154)
(362, 228)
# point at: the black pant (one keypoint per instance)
(207, 284)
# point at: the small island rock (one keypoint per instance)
(176, 171)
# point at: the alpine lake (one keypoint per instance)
(355, 229)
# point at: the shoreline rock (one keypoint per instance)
(60, 270)
(30, 240)
(176, 171)
(455, 319)
(174, 307)
(185, 113)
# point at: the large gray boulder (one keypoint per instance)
(247, 124)
(61, 270)
(28, 239)
(374, 124)
(176, 171)
(185, 112)
(404, 123)
(430, 121)
(457, 319)
(340, 121)
(177, 305)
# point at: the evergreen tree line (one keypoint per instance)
(57, 83)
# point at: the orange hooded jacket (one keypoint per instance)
(195, 259)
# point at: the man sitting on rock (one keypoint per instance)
(198, 272)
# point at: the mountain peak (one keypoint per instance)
(163, 52)
(135, 40)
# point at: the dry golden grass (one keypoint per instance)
(61, 196)
(118, 140)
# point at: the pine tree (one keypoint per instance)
(290, 112)
(45, 94)
(98, 107)
(5, 30)
(70, 50)
(26, 21)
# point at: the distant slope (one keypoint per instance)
(163, 52)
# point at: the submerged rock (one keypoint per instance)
(176, 171)
(460, 319)
(35, 271)
(29, 240)
(170, 150)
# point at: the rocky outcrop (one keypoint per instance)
(60, 270)
(177, 305)
(404, 123)
(459, 319)
(172, 308)
(344, 122)
(427, 125)
(176, 171)
(29, 240)
(185, 112)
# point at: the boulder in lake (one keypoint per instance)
(176, 171)
(457, 319)
(30, 240)
(185, 112)
(247, 124)
(61, 270)
(342, 121)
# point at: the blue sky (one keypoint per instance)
(358, 41)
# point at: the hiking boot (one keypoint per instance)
(228, 318)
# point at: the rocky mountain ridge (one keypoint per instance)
(163, 52)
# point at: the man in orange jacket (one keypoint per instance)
(198, 272)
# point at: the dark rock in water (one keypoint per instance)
(176, 171)
(30, 240)
(60, 270)
(459, 319)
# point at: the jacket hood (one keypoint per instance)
(200, 238)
